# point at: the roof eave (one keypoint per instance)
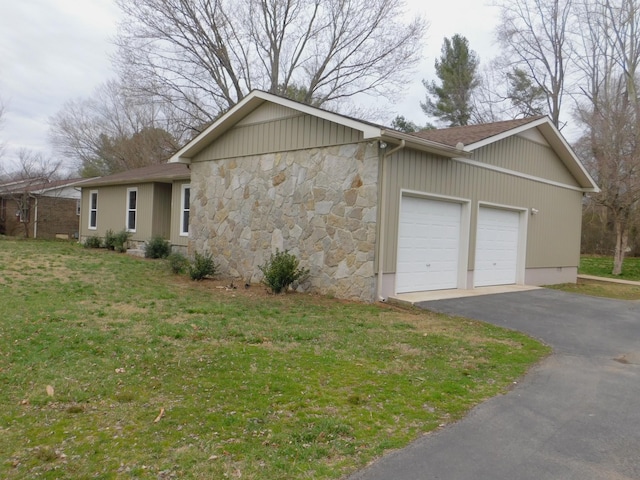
(131, 181)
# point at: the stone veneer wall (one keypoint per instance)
(320, 204)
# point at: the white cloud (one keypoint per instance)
(50, 51)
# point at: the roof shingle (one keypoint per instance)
(469, 134)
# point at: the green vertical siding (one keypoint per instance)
(278, 135)
(112, 210)
(553, 236)
(161, 224)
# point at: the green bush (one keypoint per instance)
(109, 240)
(157, 247)
(281, 270)
(202, 266)
(121, 241)
(92, 242)
(178, 263)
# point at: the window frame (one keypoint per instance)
(185, 208)
(93, 210)
(130, 210)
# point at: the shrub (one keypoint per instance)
(157, 247)
(202, 266)
(178, 263)
(109, 240)
(121, 241)
(92, 242)
(281, 270)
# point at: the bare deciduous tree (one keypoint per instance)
(112, 131)
(203, 56)
(535, 37)
(610, 110)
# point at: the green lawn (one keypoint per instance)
(602, 266)
(110, 367)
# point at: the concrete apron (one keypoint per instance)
(416, 297)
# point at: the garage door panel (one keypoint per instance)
(497, 241)
(428, 248)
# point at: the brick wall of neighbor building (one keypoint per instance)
(56, 216)
(11, 224)
(320, 204)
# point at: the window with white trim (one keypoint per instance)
(185, 201)
(93, 210)
(132, 209)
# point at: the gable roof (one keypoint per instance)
(161, 173)
(473, 137)
(257, 97)
(455, 142)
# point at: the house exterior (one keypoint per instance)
(373, 212)
(38, 208)
(147, 202)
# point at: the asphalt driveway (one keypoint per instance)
(574, 416)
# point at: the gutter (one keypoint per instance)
(383, 217)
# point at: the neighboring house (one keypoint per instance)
(38, 208)
(372, 212)
(147, 202)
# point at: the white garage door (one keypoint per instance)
(428, 246)
(496, 247)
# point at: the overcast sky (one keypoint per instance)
(55, 50)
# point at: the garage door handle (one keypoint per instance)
(428, 264)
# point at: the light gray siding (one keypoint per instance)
(553, 235)
(278, 135)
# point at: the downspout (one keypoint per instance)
(383, 216)
(35, 219)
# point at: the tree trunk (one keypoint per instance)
(622, 237)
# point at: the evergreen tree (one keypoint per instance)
(526, 97)
(403, 125)
(450, 100)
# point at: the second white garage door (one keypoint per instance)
(497, 241)
(428, 245)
